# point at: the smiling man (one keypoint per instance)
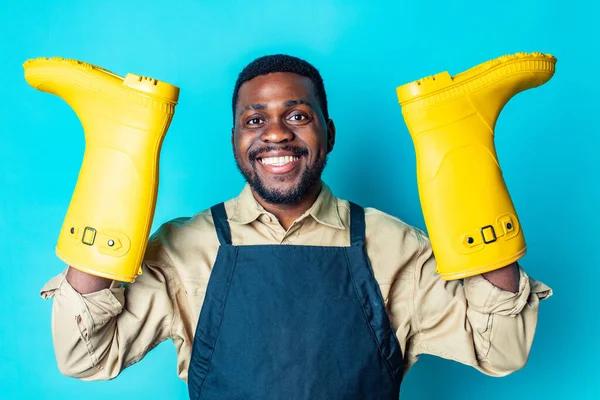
(286, 291)
(282, 135)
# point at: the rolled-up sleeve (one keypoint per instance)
(473, 322)
(97, 335)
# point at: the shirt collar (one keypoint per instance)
(246, 209)
(324, 210)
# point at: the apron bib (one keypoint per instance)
(287, 322)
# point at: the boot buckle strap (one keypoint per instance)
(89, 235)
(488, 229)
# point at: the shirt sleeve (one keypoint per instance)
(99, 334)
(472, 322)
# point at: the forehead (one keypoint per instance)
(275, 87)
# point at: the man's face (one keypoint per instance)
(280, 138)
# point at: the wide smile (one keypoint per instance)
(279, 165)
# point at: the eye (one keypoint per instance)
(255, 121)
(299, 118)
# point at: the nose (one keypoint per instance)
(277, 132)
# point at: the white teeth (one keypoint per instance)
(278, 161)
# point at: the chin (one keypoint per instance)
(281, 191)
(281, 194)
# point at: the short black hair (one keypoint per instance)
(282, 63)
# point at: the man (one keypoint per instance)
(287, 291)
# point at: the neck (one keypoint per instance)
(288, 213)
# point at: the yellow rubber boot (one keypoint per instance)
(470, 217)
(108, 221)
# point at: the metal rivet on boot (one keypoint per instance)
(111, 242)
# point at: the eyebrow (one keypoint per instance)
(258, 106)
(287, 103)
(291, 103)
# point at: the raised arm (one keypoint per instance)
(98, 334)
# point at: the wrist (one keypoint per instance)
(86, 283)
(506, 278)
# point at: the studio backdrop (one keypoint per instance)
(547, 140)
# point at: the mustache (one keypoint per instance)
(295, 150)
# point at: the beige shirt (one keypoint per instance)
(473, 322)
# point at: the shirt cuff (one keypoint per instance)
(95, 309)
(482, 296)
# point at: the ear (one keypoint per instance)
(330, 135)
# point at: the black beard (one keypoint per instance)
(310, 177)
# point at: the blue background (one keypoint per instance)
(547, 141)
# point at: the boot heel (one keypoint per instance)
(423, 87)
(151, 86)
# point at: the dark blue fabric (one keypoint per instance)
(221, 225)
(294, 322)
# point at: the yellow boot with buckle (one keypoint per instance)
(125, 120)
(470, 217)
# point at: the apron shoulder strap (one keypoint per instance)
(221, 224)
(357, 225)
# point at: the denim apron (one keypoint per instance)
(286, 322)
